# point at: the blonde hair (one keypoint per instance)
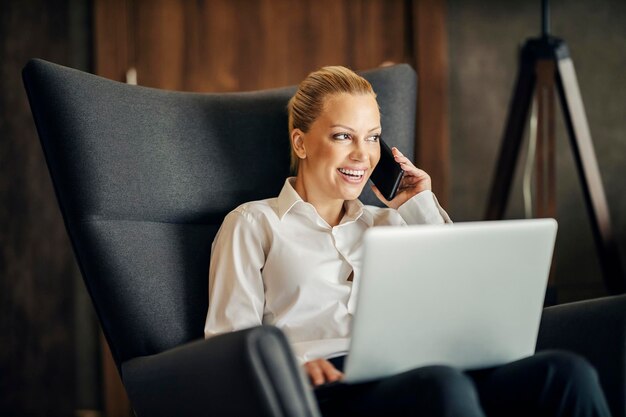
(308, 102)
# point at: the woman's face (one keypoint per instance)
(341, 148)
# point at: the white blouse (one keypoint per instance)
(276, 261)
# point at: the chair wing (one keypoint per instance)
(144, 178)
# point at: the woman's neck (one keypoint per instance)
(331, 210)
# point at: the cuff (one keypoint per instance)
(423, 208)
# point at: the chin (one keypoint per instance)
(350, 191)
(351, 194)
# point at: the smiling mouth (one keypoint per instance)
(352, 174)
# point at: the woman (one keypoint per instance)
(292, 261)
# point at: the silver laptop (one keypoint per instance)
(469, 295)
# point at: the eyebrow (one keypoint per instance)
(352, 130)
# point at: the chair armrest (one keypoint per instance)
(596, 330)
(244, 373)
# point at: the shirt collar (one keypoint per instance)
(354, 210)
(289, 197)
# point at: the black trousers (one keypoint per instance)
(551, 383)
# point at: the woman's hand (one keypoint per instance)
(321, 371)
(413, 182)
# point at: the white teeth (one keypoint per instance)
(354, 173)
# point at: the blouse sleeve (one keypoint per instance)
(423, 208)
(236, 294)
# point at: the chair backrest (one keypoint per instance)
(144, 178)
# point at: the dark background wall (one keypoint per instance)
(484, 37)
(48, 338)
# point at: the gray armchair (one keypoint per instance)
(144, 178)
(595, 329)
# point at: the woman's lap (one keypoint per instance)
(548, 383)
(433, 390)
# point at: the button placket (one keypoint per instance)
(337, 241)
(342, 250)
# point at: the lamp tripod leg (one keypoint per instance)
(512, 141)
(589, 175)
(545, 172)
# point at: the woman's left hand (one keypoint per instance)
(413, 182)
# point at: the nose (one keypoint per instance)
(358, 153)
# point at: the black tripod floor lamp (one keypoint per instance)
(545, 66)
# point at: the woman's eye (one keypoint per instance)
(342, 136)
(374, 138)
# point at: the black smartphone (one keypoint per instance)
(387, 174)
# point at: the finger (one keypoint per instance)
(403, 160)
(413, 172)
(412, 180)
(409, 180)
(398, 155)
(411, 169)
(315, 373)
(331, 373)
(408, 184)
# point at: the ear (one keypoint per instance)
(297, 142)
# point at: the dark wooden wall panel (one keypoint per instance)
(39, 359)
(112, 44)
(241, 45)
(431, 56)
